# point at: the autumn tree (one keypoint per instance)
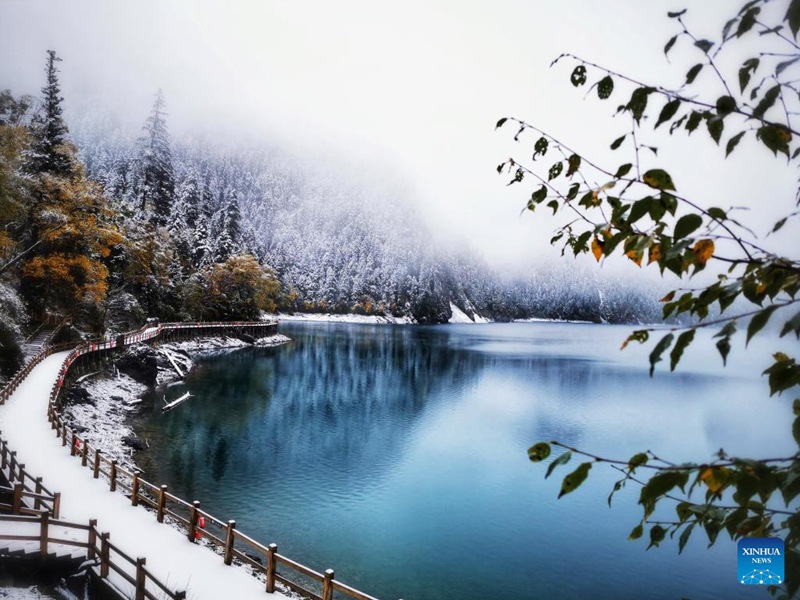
(637, 210)
(236, 289)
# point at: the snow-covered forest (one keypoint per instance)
(109, 227)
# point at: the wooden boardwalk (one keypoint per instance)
(173, 559)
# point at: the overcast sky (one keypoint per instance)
(416, 86)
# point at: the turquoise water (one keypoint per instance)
(396, 455)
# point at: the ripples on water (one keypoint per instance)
(397, 455)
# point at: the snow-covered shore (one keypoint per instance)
(100, 406)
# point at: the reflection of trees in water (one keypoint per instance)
(337, 398)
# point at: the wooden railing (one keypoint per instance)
(197, 524)
(27, 494)
(133, 573)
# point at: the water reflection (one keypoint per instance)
(397, 455)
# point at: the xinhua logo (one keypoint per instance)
(761, 561)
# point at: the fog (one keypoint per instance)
(412, 90)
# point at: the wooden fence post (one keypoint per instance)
(56, 505)
(162, 500)
(113, 484)
(5, 456)
(104, 552)
(11, 476)
(193, 520)
(90, 551)
(135, 489)
(22, 473)
(327, 585)
(180, 595)
(45, 527)
(84, 453)
(17, 503)
(272, 550)
(97, 454)
(140, 578)
(229, 542)
(74, 450)
(64, 434)
(36, 501)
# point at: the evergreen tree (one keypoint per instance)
(157, 179)
(48, 152)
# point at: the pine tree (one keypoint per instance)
(157, 179)
(48, 153)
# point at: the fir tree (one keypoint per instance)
(48, 152)
(157, 180)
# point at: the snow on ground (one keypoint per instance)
(345, 318)
(102, 417)
(174, 560)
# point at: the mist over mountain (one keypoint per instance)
(340, 243)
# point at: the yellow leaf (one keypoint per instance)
(703, 250)
(655, 253)
(715, 478)
(635, 256)
(668, 297)
(597, 249)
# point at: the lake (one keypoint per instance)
(397, 455)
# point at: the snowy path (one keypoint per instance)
(175, 561)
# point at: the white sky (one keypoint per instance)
(417, 86)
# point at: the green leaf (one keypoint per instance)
(748, 67)
(775, 137)
(604, 87)
(657, 535)
(717, 213)
(638, 102)
(669, 110)
(658, 179)
(793, 16)
(724, 348)
(675, 355)
(758, 321)
(555, 170)
(636, 532)
(769, 98)
(639, 209)
(574, 163)
(637, 460)
(715, 126)
(554, 205)
(675, 15)
(792, 324)
(782, 66)
(573, 481)
(623, 170)
(747, 22)
(732, 143)
(540, 147)
(725, 105)
(655, 355)
(692, 73)
(539, 195)
(686, 225)
(539, 451)
(685, 534)
(501, 122)
(573, 191)
(704, 45)
(670, 44)
(561, 460)
(694, 121)
(578, 77)
(618, 142)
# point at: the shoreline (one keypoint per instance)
(100, 404)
